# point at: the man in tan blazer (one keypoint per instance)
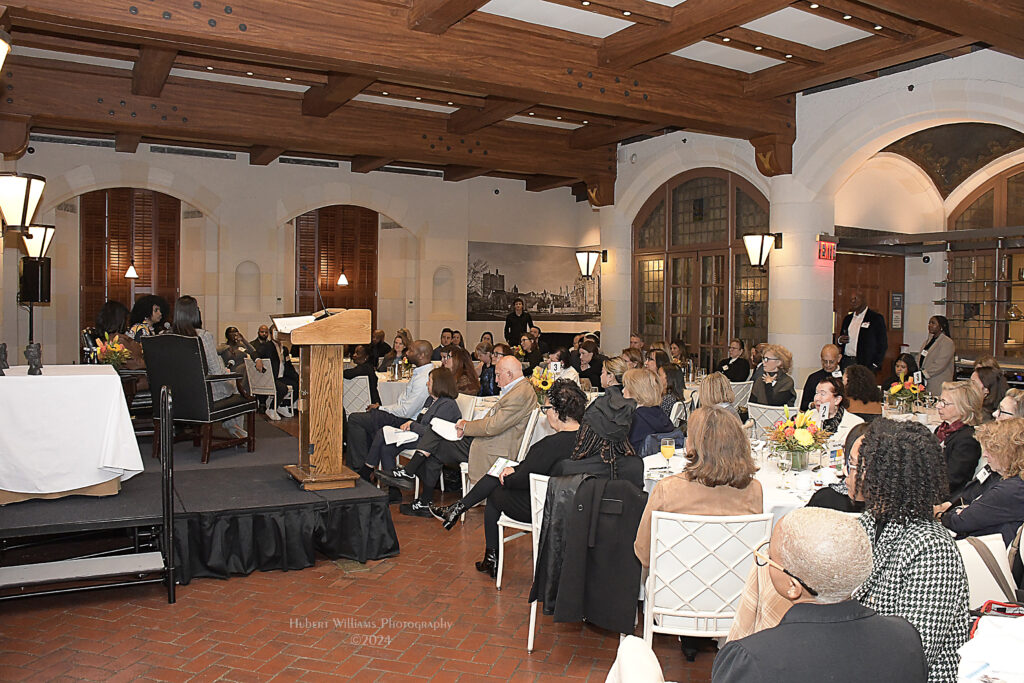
(500, 433)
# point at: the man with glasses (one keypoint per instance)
(830, 358)
(816, 559)
(735, 367)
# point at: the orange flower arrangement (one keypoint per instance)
(112, 352)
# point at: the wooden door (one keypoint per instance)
(878, 278)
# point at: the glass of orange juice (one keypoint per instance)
(668, 448)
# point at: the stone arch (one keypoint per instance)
(980, 177)
(393, 207)
(890, 192)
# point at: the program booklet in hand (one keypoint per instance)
(394, 435)
(499, 465)
(445, 429)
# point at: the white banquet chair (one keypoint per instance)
(764, 416)
(355, 394)
(538, 494)
(986, 582)
(741, 390)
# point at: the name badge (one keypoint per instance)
(983, 474)
(924, 353)
(917, 377)
(423, 411)
(838, 374)
(865, 326)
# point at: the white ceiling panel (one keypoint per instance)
(668, 3)
(731, 58)
(557, 16)
(405, 104)
(537, 121)
(806, 28)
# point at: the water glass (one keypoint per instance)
(785, 461)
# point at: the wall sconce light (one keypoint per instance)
(587, 259)
(5, 46)
(760, 246)
(19, 198)
(36, 239)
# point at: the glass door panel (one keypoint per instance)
(650, 287)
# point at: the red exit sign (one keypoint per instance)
(827, 251)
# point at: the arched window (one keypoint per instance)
(120, 225)
(984, 291)
(691, 277)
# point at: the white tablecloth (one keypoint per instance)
(63, 430)
(389, 391)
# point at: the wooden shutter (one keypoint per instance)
(92, 229)
(167, 239)
(305, 261)
(119, 244)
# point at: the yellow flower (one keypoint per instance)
(545, 384)
(895, 389)
(804, 437)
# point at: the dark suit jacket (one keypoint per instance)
(872, 341)
(810, 386)
(999, 510)
(444, 408)
(962, 453)
(858, 645)
(737, 371)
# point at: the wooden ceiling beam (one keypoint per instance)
(849, 19)
(851, 60)
(542, 183)
(997, 23)
(496, 109)
(127, 142)
(638, 11)
(691, 22)
(454, 173)
(151, 69)
(479, 55)
(437, 16)
(323, 100)
(14, 132)
(263, 155)
(207, 113)
(595, 135)
(749, 41)
(364, 164)
(866, 13)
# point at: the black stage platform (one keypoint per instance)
(238, 514)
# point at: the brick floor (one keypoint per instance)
(425, 615)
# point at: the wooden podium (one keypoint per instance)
(321, 462)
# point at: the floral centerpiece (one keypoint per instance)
(903, 394)
(541, 379)
(799, 435)
(112, 352)
(518, 352)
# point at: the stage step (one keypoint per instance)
(81, 569)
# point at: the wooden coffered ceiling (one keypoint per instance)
(541, 90)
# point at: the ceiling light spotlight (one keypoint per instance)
(209, 68)
(847, 17)
(878, 27)
(814, 5)
(384, 93)
(585, 122)
(287, 78)
(531, 113)
(248, 73)
(726, 40)
(419, 99)
(586, 3)
(789, 56)
(558, 118)
(758, 48)
(451, 104)
(627, 13)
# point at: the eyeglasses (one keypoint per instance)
(546, 408)
(497, 354)
(1003, 412)
(942, 403)
(762, 559)
(768, 358)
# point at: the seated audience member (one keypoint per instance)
(397, 352)
(816, 559)
(715, 390)
(830, 359)
(500, 432)
(736, 368)
(147, 315)
(589, 362)
(509, 492)
(659, 345)
(1011, 406)
(757, 362)
(378, 348)
(561, 357)
(441, 403)
(364, 427)
(903, 369)
(458, 360)
(992, 385)
(837, 496)
(633, 356)
(636, 341)
(531, 355)
(488, 385)
(677, 351)
(864, 398)
(959, 408)
(501, 351)
(457, 339)
(361, 368)
(487, 337)
(235, 351)
(986, 361)
(673, 384)
(918, 573)
(188, 322)
(267, 347)
(446, 339)
(612, 371)
(537, 341)
(719, 479)
(774, 387)
(999, 510)
(839, 421)
(642, 386)
(656, 358)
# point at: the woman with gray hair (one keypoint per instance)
(817, 558)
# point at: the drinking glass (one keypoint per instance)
(668, 448)
(785, 461)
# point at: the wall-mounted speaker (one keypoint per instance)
(35, 280)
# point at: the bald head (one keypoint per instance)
(263, 332)
(508, 370)
(827, 549)
(830, 357)
(419, 352)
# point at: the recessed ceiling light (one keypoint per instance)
(758, 48)
(627, 13)
(726, 40)
(586, 3)
(418, 99)
(814, 5)
(248, 73)
(287, 78)
(531, 113)
(384, 93)
(559, 118)
(209, 68)
(585, 122)
(789, 56)
(451, 104)
(847, 17)
(878, 27)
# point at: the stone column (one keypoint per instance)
(616, 277)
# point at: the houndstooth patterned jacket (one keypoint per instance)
(918, 575)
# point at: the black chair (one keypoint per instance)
(178, 362)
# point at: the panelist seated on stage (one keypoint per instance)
(364, 427)
(235, 351)
(285, 375)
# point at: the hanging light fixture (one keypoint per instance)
(760, 246)
(5, 46)
(19, 197)
(131, 273)
(36, 239)
(342, 280)
(587, 259)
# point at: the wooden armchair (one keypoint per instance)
(178, 362)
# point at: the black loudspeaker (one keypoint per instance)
(35, 280)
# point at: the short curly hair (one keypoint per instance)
(860, 384)
(901, 471)
(567, 400)
(782, 353)
(1005, 439)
